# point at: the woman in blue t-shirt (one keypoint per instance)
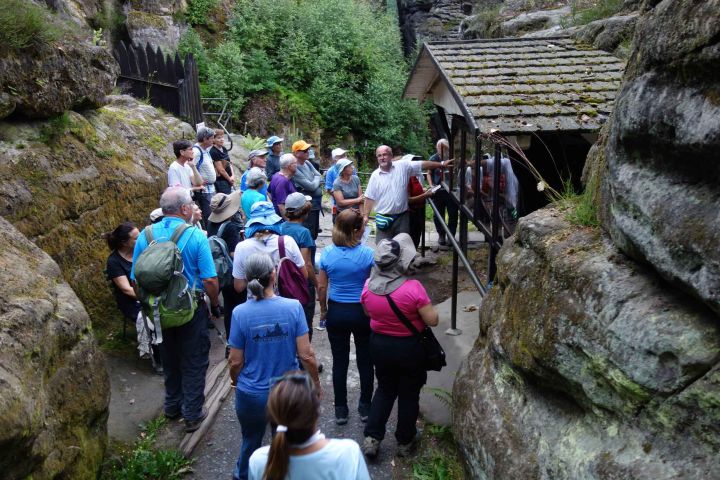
(345, 266)
(267, 336)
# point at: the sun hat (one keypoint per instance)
(224, 206)
(300, 145)
(392, 259)
(342, 163)
(336, 152)
(255, 177)
(257, 153)
(156, 215)
(296, 200)
(262, 213)
(273, 140)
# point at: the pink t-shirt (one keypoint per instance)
(410, 297)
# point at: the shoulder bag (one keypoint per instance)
(434, 353)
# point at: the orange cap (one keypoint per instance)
(300, 145)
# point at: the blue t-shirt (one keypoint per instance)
(249, 197)
(299, 233)
(266, 330)
(197, 258)
(330, 176)
(347, 268)
(243, 184)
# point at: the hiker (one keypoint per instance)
(256, 158)
(185, 347)
(299, 449)
(416, 207)
(182, 172)
(397, 354)
(308, 180)
(267, 336)
(508, 187)
(387, 191)
(297, 207)
(274, 144)
(226, 215)
(442, 197)
(225, 176)
(121, 242)
(344, 267)
(281, 185)
(256, 182)
(206, 167)
(262, 231)
(346, 189)
(331, 174)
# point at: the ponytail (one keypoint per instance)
(258, 270)
(293, 409)
(118, 237)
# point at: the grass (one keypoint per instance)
(144, 461)
(581, 209)
(54, 128)
(585, 12)
(440, 460)
(24, 25)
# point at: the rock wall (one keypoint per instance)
(69, 179)
(54, 390)
(599, 353)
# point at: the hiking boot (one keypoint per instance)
(341, 415)
(321, 325)
(364, 411)
(192, 425)
(407, 449)
(173, 416)
(442, 240)
(370, 447)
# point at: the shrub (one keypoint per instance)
(24, 25)
(198, 10)
(584, 13)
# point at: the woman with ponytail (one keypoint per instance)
(268, 334)
(299, 450)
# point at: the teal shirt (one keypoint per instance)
(249, 197)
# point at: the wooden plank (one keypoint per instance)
(152, 62)
(142, 62)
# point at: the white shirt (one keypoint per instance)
(389, 189)
(207, 168)
(340, 459)
(180, 175)
(270, 246)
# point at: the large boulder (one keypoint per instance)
(54, 389)
(587, 366)
(69, 179)
(661, 201)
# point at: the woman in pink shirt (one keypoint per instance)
(396, 353)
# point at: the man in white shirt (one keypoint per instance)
(387, 191)
(182, 172)
(206, 167)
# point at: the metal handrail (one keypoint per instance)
(223, 116)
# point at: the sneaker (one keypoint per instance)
(321, 326)
(370, 447)
(341, 415)
(407, 449)
(364, 411)
(192, 425)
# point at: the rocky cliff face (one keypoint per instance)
(54, 389)
(600, 348)
(73, 177)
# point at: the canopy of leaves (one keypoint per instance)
(343, 57)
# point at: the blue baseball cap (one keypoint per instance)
(273, 140)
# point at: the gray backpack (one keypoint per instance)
(162, 289)
(221, 257)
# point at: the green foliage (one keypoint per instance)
(584, 12)
(190, 42)
(338, 64)
(250, 142)
(442, 394)
(198, 10)
(146, 462)
(24, 25)
(54, 129)
(581, 209)
(440, 461)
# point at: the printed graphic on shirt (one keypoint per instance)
(268, 333)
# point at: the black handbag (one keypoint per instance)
(434, 353)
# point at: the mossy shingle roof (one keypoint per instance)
(523, 84)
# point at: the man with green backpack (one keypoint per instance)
(173, 270)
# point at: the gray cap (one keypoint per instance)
(342, 163)
(392, 259)
(296, 200)
(255, 176)
(257, 153)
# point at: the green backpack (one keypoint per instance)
(162, 289)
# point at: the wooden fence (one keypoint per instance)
(166, 82)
